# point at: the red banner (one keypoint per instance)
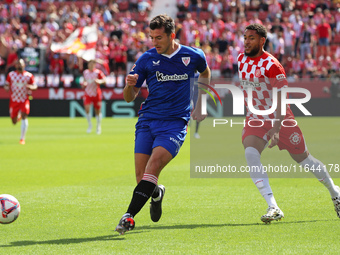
(72, 94)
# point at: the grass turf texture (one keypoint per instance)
(73, 188)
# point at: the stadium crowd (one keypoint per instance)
(303, 35)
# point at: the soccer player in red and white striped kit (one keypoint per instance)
(93, 78)
(261, 72)
(19, 83)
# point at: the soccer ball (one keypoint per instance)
(10, 209)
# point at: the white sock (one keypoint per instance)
(320, 172)
(99, 119)
(88, 117)
(24, 127)
(259, 177)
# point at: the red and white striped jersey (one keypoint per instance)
(261, 74)
(92, 88)
(17, 83)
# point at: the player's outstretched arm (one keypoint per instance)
(130, 91)
(32, 86)
(204, 78)
(100, 81)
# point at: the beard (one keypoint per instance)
(253, 52)
(20, 69)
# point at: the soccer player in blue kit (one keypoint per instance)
(163, 117)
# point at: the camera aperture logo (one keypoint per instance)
(211, 95)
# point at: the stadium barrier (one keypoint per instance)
(68, 102)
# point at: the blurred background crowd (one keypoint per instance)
(303, 35)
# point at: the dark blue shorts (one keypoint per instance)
(169, 134)
(323, 42)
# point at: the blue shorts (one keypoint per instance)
(323, 42)
(169, 134)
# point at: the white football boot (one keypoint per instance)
(273, 213)
(336, 202)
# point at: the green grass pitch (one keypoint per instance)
(73, 188)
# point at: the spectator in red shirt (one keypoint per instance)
(324, 35)
(12, 59)
(120, 59)
(57, 65)
(309, 6)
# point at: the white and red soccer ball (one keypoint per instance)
(9, 209)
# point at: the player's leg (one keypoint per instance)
(141, 161)
(254, 145)
(319, 170)
(170, 136)
(97, 110)
(196, 130)
(25, 109)
(143, 150)
(159, 158)
(87, 107)
(144, 189)
(14, 112)
(24, 127)
(161, 150)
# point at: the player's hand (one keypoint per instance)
(274, 137)
(6, 87)
(131, 79)
(197, 115)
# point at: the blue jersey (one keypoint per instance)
(168, 79)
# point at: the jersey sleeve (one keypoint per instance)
(277, 76)
(101, 75)
(31, 80)
(202, 62)
(140, 68)
(8, 80)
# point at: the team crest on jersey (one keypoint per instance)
(295, 138)
(186, 60)
(257, 73)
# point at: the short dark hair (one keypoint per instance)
(165, 21)
(260, 30)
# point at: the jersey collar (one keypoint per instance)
(174, 53)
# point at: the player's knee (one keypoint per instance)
(252, 155)
(154, 166)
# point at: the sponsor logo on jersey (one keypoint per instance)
(257, 73)
(186, 60)
(175, 77)
(20, 84)
(280, 77)
(250, 83)
(154, 63)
